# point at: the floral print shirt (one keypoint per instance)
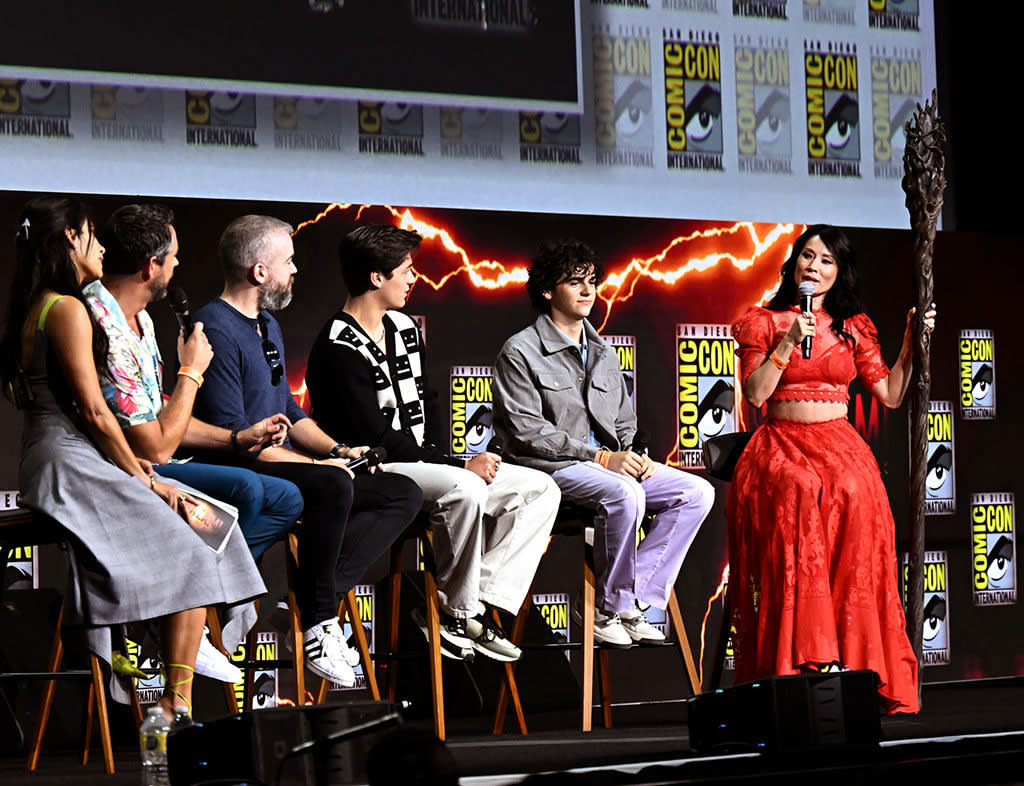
(132, 383)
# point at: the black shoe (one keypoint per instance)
(455, 644)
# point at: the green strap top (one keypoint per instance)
(46, 310)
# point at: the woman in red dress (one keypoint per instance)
(813, 570)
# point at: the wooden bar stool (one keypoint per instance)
(348, 606)
(22, 527)
(573, 520)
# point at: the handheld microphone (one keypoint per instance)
(497, 447)
(641, 442)
(806, 290)
(370, 458)
(179, 302)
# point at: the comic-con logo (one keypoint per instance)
(127, 114)
(894, 14)
(764, 134)
(554, 610)
(307, 123)
(830, 12)
(693, 100)
(895, 92)
(760, 9)
(993, 544)
(470, 133)
(220, 119)
(549, 137)
(625, 350)
(264, 681)
(940, 482)
(935, 633)
(390, 129)
(623, 122)
(977, 375)
(472, 400)
(833, 110)
(706, 365)
(145, 657)
(364, 603)
(22, 571)
(30, 107)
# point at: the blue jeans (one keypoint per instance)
(268, 507)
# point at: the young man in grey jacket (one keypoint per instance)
(561, 406)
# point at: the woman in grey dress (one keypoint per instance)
(134, 558)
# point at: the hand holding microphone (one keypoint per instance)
(368, 460)
(194, 350)
(806, 290)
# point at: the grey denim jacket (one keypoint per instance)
(545, 402)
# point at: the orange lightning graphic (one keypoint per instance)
(720, 591)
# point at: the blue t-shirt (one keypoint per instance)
(238, 390)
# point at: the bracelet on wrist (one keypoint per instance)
(778, 362)
(152, 482)
(603, 457)
(234, 441)
(337, 450)
(191, 373)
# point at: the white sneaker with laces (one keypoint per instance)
(324, 656)
(350, 654)
(211, 662)
(639, 628)
(608, 628)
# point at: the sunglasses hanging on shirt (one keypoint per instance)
(271, 353)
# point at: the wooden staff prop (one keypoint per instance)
(924, 180)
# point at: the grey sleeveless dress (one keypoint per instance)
(133, 557)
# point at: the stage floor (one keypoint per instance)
(968, 733)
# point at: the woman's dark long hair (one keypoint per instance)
(841, 301)
(43, 261)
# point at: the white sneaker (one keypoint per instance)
(350, 654)
(211, 662)
(607, 627)
(324, 656)
(639, 628)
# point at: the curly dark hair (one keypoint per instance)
(556, 261)
(841, 301)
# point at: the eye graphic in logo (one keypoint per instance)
(478, 428)
(939, 478)
(841, 128)
(982, 383)
(1000, 564)
(771, 124)
(714, 413)
(632, 109)
(935, 623)
(703, 129)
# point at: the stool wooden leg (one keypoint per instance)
(588, 644)
(295, 623)
(395, 598)
(56, 657)
(361, 644)
(508, 685)
(684, 643)
(606, 687)
(90, 701)
(213, 622)
(434, 640)
(101, 713)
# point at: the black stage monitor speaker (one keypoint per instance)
(785, 714)
(260, 746)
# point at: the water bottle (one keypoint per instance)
(153, 747)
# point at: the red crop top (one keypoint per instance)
(833, 364)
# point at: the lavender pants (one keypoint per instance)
(626, 572)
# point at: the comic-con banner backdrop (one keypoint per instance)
(671, 291)
(770, 110)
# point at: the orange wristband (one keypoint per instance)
(191, 373)
(777, 361)
(603, 457)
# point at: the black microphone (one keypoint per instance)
(806, 289)
(179, 302)
(497, 447)
(641, 442)
(370, 458)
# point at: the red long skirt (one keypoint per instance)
(812, 555)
